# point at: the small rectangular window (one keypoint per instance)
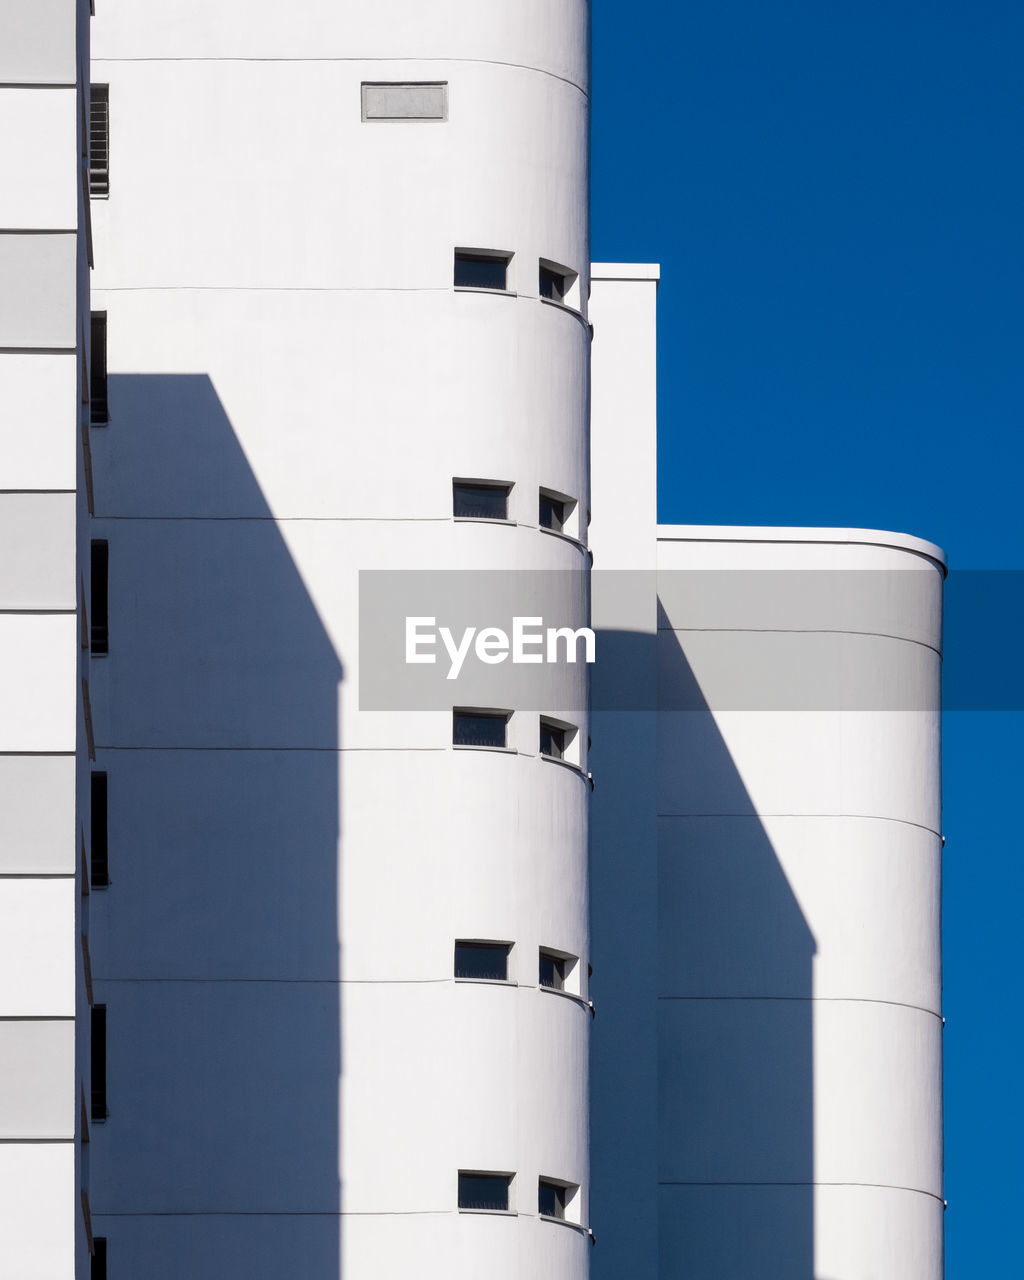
(484, 961)
(99, 412)
(98, 1266)
(99, 637)
(551, 1198)
(552, 512)
(480, 728)
(99, 870)
(99, 140)
(552, 970)
(477, 270)
(480, 501)
(409, 101)
(99, 1061)
(552, 740)
(484, 1191)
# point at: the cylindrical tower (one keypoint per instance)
(343, 952)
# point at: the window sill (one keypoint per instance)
(489, 982)
(566, 995)
(501, 751)
(564, 1222)
(563, 306)
(483, 520)
(491, 293)
(565, 537)
(566, 764)
(494, 1213)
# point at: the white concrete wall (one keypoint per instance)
(42, 261)
(294, 384)
(800, 1032)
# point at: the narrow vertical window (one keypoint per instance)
(98, 1268)
(551, 1199)
(99, 870)
(99, 638)
(99, 1062)
(98, 408)
(99, 140)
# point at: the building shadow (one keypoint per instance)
(703, 1169)
(215, 948)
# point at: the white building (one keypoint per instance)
(327, 968)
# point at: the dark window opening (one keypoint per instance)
(484, 1191)
(481, 271)
(99, 140)
(552, 512)
(99, 871)
(552, 740)
(98, 1266)
(480, 501)
(98, 408)
(99, 1062)
(99, 635)
(551, 1197)
(553, 284)
(552, 971)
(482, 960)
(480, 728)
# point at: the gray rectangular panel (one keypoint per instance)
(37, 815)
(37, 41)
(38, 290)
(37, 1066)
(37, 532)
(405, 101)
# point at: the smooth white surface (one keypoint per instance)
(803, 537)
(40, 133)
(37, 420)
(37, 948)
(37, 682)
(38, 1209)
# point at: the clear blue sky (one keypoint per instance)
(836, 195)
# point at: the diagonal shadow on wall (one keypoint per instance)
(215, 947)
(719, 1184)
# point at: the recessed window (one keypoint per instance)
(552, 512)
(99, 634)
(478, 270)
(557, 283)
(99, 870)
(480, 728)
(99, 1061)
(484, 961)
(99, 412)
(484, 1191)
(99, 140)
(552, 284)
(551, 1198)
(409, 101)
(98, 1266)
(480, 501)
(553, 969)
(553, 739)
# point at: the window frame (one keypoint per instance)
(489, 944)
(478, 257)
(495, 1175)
(482, 713)
(495, 486)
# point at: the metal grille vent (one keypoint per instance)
(99, 140)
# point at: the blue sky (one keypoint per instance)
(836, 195)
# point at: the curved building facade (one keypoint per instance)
(343, 954)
